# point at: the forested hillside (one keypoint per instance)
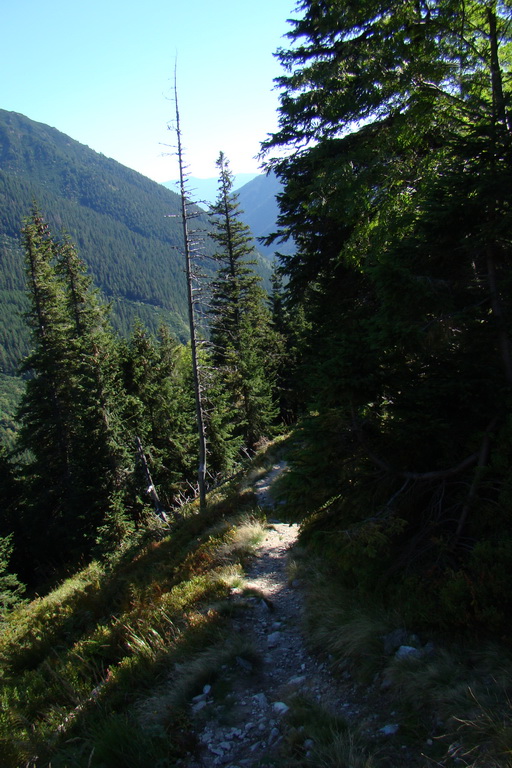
(125, 226)
(106, 426)
(119, 220)
(382, 360)
(259, 203)
(397, 190)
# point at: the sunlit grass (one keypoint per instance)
(242, 539)
(77, 663)
(31, 631)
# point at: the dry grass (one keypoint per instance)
(76, 662)
(485, 735)
(188, 678)
(342, 750)
(242, 540)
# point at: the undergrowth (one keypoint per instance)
(101, 672)
(319, 739)
(85, 668)
(449, 698)
(413, 623)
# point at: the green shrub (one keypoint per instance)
(11, 589)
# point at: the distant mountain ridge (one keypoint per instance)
(257, 194)
(127, 229)
(258, 200)
(204, 191)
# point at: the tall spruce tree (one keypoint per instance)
(290, 325)
(243, 340)
(96, 362)
(159, 412)
(397, 193)
(68, 410)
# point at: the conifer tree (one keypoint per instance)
(290, 326)
(45, 410)
(11, 589)
(159, 410)
(96, 365)
(396, 118)
(11, 530)
(192, 302)
(243, 341)
(68, 411)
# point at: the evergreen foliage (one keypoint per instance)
(11, 389)
(116, 217)
(11, 589)
(124, 225)
(244, 343)
(107, 425)
(69, 412)
(290, 324)
(397, 194)
(159, 410)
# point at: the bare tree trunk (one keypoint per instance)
(201, 427)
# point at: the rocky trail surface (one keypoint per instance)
(247, 727)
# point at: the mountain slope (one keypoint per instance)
(126, 226)
(169, 652)
(258, 200)
(206, 190)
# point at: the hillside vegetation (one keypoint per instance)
(101, 671)
(126, 227)
(108, 669)
(384, 350)
(397, 194)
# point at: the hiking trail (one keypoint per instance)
(250, 723)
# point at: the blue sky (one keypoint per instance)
(102, 72)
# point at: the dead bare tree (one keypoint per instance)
(192, 290)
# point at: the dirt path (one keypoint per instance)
(249, 724)
(244, 727)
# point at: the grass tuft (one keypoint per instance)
(348, 632)
(486, 734)
(84, 666)
(342, 750)
(242, 540)
(318, 739)
(208, 666)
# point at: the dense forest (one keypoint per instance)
(107, 430)
(390, 342)
(126, 227)
(397, 194)
(383, 350)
